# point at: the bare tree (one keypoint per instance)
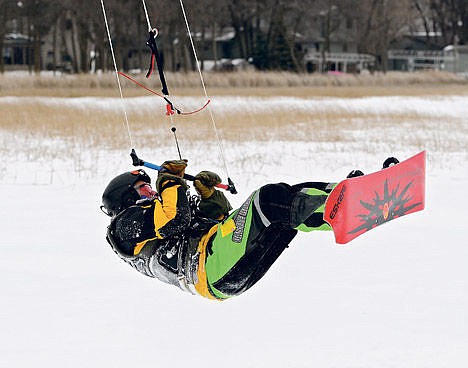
(39, 15)
(444, 22)
(243, 15)
(270, 32)
(5, 15)
(450, 18)
(380, 22)
(278, 27)
(209, 17)
(165, 15)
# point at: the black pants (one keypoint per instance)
(287, 205)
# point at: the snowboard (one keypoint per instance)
(357, 205)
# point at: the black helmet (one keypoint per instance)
(120, 194)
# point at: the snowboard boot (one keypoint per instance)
(308, 206)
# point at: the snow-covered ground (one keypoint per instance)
(395, 297)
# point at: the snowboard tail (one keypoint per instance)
(357, 205)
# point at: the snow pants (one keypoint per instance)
(250, 240)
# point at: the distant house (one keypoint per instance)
(344, 62)
(414, 60)
(422, 51)
(334, 50)
(17, 51)
(220, 51)
(457, 59)
(415, 51)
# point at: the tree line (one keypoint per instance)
(269, 33)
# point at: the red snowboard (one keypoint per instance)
(357, 205)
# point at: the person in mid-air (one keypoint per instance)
(196, 242)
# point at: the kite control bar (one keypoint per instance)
(136, 161)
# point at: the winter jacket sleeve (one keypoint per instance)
(172, 212)
(215, 207)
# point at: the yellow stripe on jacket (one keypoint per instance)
(165, 209)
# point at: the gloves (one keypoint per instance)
(204, 183)
(214, 204)
(171, 170)
(174, 167)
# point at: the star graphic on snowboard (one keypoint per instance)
(382, 209)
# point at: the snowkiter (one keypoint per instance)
(195, 242)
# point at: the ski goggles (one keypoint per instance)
(145, 191)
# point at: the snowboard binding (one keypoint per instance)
(354, 174)
(391, 161)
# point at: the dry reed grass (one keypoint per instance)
(239, 83)
(37, 132)
(36, 126)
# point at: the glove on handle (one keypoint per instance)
(174, 167)
(204, 183)
(208, 178)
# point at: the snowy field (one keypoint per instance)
(395, 297)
